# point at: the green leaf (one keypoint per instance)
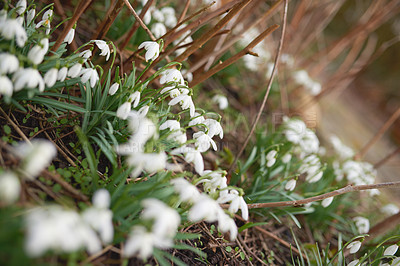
(250, 225)
(58, 105)
(186, 236)
(187, 247)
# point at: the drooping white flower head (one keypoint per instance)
(221, 100)
(28, 78)
(354, 246)
(192, 155)
(89, 74)
(149, 162)
(8, 63)
(10, 187)
(390, 209)
(152, 50)
(50, 77)
(158, 29)
(114, 88)
(227, 224)
(291, 185)
(46, 19)
(391, 250)
(134, 98)
(6, 86)
(187, 191)
(86, 54)
(362, 224)
(206, 209)
(139, 242)
(35, 156)
(198, 119)
(124, 110)
(62, 74)
(74, 71)
(216, 182)
(104, 48)
(20, 6)
(12, 28)
(30, 15)
(214, 128)
(271, 158)
(171, 75)
(101, 199)
(353, 262)
(37, 53)
(326, 202)
(169, 16)
(185, 102)
(311, 165)
(342, 150)
(70, 36)
(171, 125)
(203, 141)
(237, 202)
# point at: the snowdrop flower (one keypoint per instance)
(354, 246)
(104, 48)
(20, 6)
(286, 158)
(221, 100)
(237, 202)
(172, 75)
(214, 128)
(187, 191)
(70, 36)
(114, 88)
(203, 141)
(35, 156)
(143, 128)
(205, 208)
(11, 28)
(6, 86)
(178, 136)
(47, 17)
(359, 173)
(62, 74)
(362, 224)
(227, 224)
(342, 150)
(54, 228)
(294, 130)
(301, 77)
(135, 98)
(185, 102)
(157, 15)
(391, 250)
(166, 219)
(217, 181)
(291, 185)
(10, 187)
(89, 74)
(169, 16)
(37, 53)
(326, 202)
(123, 110)
(353, 262)
(173, 92)
(152, 50)
(198, 119)
(8, 63)
(86, 54)
(390, 209)
(75, 70)
(271, 158)
(50, 77)
(30, 16)
(147, 16)
(192, 155)
(29, 78)
(139, 241)
(158, 29)
(171, 125)
(149, 162)
(142, 112)
(312, 167)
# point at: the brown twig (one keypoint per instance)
(233, 59)
(386, 158)
(253, 127)
(111, 15)
(139, 20)
(19, 131)
(185, 9)
(384, 226)
(239, 241)
(344, 190)
(378, 135)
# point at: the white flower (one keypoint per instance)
(286, 158)
(214, 128)
(37, 53)
(30, 16)
(150, 162)
(104, 48)
(326, 202)
(158, 29)
(20, 6)
(147, 17)
(203, 141)
(169, 16)
(221, 100)
(205, 208)
(354, 246)
(152, 50)
(62, 74)
(89, 74)
(54, 228)
(35, 156)
(390, 209)
(135, 98)
(11, 28)
(312, 166)
(6, 86)
(8, 63)
(171, 75)
(142, 112)
(185, 101)
(74, 71)
(173, 92)
(342, 150)
(391, 250)
(301, 77)
(237, 202)
(46, 19)
(86, 54)
(157, 15)
(271, 158)
(187, 191)
(359, 173)
(70, 36)
(291, 185)
(227, 224)
(171, 124)
(113, 89)
(123, 110)
(362, 224)
(139, 241)
(217, 181)
(353, 263)
(191, 156)
(10, 187)
(165, 219)
(198, 119)
(101, 199)
(29, 78)
(50, 77)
